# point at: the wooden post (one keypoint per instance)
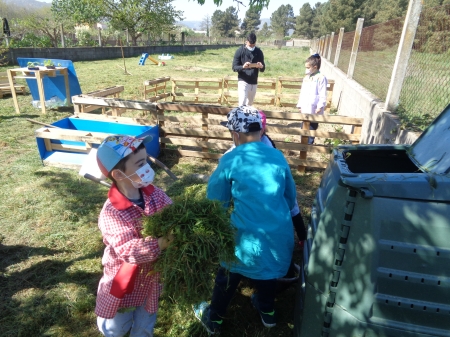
(161, 126)
(352, 63)
(338, 47)
(403, 54)
(303, 140)
(330, 46)
(205, 128)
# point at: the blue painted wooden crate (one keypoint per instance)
(70, 140)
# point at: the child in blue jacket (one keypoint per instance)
(258, 180)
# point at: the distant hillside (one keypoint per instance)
(27, 3)
(195, 25)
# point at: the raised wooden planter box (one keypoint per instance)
(70, 140)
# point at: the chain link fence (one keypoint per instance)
(426, 89)
(376, 56)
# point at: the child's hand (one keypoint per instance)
(165, 241)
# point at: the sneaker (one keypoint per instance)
(268, 318)
(201, 312)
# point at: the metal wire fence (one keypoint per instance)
(426, 89)
(376, 56)
(346, 51)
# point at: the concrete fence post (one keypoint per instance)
(330, 46)
(326, 45)
(99, 36)
(63, 42)
(338, 47)
(358, 31)
(321, 42)
(403, 54)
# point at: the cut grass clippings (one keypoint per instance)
(203, 238)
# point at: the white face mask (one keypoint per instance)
(146, 174)
(250, 48)
(307, 71)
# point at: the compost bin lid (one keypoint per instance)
(431, 151)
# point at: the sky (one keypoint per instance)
(195, 12)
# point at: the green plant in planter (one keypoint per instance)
(33, 65)
(49, 64)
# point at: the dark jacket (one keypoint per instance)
(243, 55)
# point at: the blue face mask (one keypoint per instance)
(250, 48)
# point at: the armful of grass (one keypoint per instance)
(203, 237)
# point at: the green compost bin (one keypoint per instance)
(377, 258)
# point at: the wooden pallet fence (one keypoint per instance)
(265, 94)
(290, 132)
(288, 91)
(156, 89)
(107, 92)
(117, 106)
(197, 90)
(5, 88)
(198, 139)
(200, 135)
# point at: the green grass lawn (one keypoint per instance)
(50, 245)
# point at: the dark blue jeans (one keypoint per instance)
(225, 286)
(312, 126)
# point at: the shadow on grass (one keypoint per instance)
(44, 295)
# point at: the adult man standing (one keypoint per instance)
(248, 61)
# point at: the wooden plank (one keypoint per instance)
(155, 89)
(282, 131)
(113, 102)
(291, 86)
(196, 154)
(306, 163)
(75, 135)
(290, 79)
(196, 133)
(194, 108)
(198, 143)
(191, 120)
(302, 147)
(123, 120)
(205, 87)
(160, 96)
(329, 119)
(89, 108)
(200, 95)
(157, 81)
(107, 91)
(198, 79)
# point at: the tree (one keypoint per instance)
(304, 22)
(316, 29)
(224, 24)
(282, 20)
(265, 31)
(134, 16)
(342, 13)
(206, 24)
(251, 21)
(42, 22)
